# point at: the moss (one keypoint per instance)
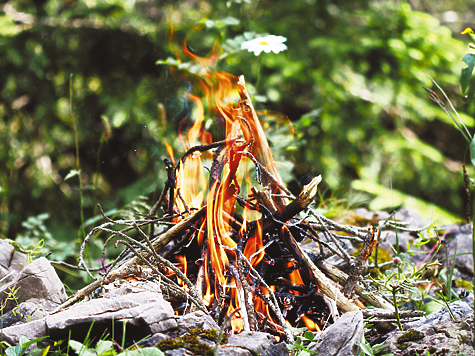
(254, 352)
(402, 347)
(191, 342)
(411, 335)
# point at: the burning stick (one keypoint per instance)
(341, 277)
(260, 148)
(324, 284)
(357, 266)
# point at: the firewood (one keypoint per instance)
(324, 284)
(358, 264)
(260, 148)
(341, 277)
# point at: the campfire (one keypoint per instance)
(227, 239)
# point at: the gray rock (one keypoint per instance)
(11, 262)
(459, 308)
(230, 350)
(197, 319)
(145, 309)
(449, 338)
(341, 338)
(31, 330)
(411, 217)
(37, 280)
(32, 309)
(464, 259)
(262, 343)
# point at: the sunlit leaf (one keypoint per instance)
(469, 59)
(472, 151)
(72, 173)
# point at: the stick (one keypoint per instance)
(241, 295)
(341, 277)
(296, 206)
(260, 148)
(358, 264)
(324, 284)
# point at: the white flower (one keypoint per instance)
(266, 44)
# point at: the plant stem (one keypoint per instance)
(77, 153)
(473, 258)
(398, 318)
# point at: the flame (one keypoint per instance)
(216, 237)
(169, 151)
(184, 266)
(310, 324)
(294, 276)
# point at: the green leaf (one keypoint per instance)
(309, 335)
(14, 351)
(366, 349)
(72, 173)
(146, 351)
(80, 349)
(469, 59)
(431, 307)
(104, 347)
(472, 151)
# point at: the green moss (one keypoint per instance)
(402, 347)
(411, 335)
(191, 342)
(254, 352)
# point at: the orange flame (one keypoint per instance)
(191, 188)
(310, 324)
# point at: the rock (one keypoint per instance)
(230, 350)
(262, 343)
(37, 280)
(341, 338)
(11, 261)
(144, 311)
(32, 309)
(464, 260)
(411, 217)
(444, 338)
(197, 319)
(31, 330)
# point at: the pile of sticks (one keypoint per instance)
(285, 221)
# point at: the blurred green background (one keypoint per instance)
(350, 83)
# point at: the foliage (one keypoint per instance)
(350, 81)
(304, 337)
(371, 350)
(21, 348)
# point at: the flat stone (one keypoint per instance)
(31, 330)
(197, 319)
(342, 338)
(146, 311)
(262, 343)
(37, 280)
(459, 309)
(229, 350)
(449, 338)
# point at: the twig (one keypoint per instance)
(241, 297)
(341, 277)
(357, 265)
(225, 323)
(324, 284)
(260, 148)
